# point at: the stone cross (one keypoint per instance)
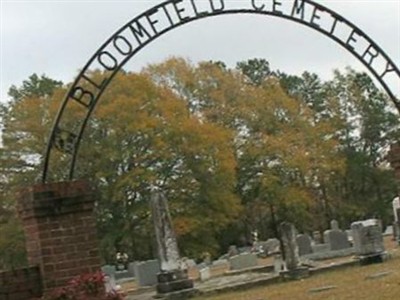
(167, 246)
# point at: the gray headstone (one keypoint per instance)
(270, 246)
(279, 264)
(396, 206)
(190, 263)
(395, 231)
(327, 254)
(336, 239)
(317, 237)
(304, 243)
(233, 250)
(146, 272)
(291, 250)
(122, 274)
(367, 237)
(388, 231)
(335, 225)
(131, 269)
(243, 261)
(109, 270)
(320, 248)
(220, 262)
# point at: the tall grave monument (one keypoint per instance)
(290, 252)
(173, 277)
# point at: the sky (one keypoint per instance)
(57, 37)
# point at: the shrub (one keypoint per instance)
(84, 287)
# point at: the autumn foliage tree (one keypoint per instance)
(234, 150)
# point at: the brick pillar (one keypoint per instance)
(60, 230)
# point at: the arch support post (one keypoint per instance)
(60, 231)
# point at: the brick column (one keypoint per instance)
(60, 230)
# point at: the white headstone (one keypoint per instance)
(279, 264)
(205, 274)
(396, 206)
(367, 236)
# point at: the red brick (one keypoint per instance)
(64, 245)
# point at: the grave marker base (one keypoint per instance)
(299, 273)
(173, 281)
(375, 258)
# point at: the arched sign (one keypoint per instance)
(139, 32)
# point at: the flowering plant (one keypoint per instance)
(84, 287)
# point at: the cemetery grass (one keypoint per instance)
(372, 282)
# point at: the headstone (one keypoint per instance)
(334, 225)
(270, 246)
(122, 274)
(190, 263)
(320, 248)
(233, 251)
(304, 243)
(396, 231)
(388, 231)
(396, 207)
(336, 238)
(243, 261)
(173, 277)
(279, 264)
(110, 284)
(109, 277)
(131, 269)
(219, 267)
(290, 247)
(205, 274)
(317, 237)
(367, 237)
(396, 215)
(108, 270)
(288, 235)
(220, 262)
(146, 272)
(167, 246)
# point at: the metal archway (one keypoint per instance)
(162, 18)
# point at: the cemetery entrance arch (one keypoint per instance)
(171, 14)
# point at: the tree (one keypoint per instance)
(370, 126)
(233, 149)
(282, 154)
(159, 144)
(255, 70)
(26, 119)
(34, 86)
